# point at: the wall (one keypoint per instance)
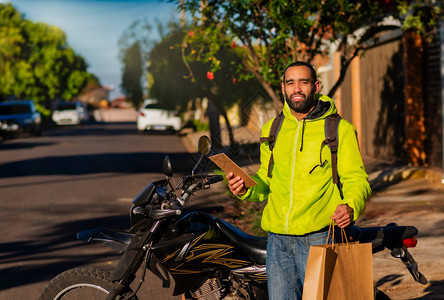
(432, 104)
(382, 101)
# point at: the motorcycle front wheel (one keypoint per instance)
(80, 284)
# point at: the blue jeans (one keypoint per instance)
(286, 263)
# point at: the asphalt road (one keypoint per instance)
(68, 180)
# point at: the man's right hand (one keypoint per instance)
(236, 185)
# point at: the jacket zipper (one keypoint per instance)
(292, 177)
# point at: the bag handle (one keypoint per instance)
(344, 236)
(331, 228)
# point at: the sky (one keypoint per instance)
(93, 28)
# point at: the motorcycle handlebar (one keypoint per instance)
(190, 185)
(200, 181)
(205, 178)
(214, 178)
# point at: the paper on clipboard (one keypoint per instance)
(229, 166)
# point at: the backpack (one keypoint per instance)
(331, 139)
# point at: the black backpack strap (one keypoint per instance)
(271, 139)
(332, 140)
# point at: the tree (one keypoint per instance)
(174, 87)
(132, 74)
(421, 16)
(36, 62)
(276, 33)
(11, 42)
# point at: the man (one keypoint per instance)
(302, 198)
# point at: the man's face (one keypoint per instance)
(299, 89)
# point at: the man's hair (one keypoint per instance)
(301, 63)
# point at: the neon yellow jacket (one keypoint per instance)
(300, 201)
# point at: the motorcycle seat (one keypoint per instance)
(253, 246)
(390, 236)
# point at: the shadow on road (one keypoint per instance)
(139, 162)
(434, 291)
(23, 145)
(94, 128)
(30, 258)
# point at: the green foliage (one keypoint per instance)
(170, 84)
(132, 74)
(176, 83)
(201, 126)
(274, 33)
(278, 32)
(36, 62)
(421, 16)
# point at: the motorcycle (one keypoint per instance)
(207, 257)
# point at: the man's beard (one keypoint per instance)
(303, 106)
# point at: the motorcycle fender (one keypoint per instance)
(132, 256)
(116, 240)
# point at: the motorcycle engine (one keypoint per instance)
(210, 290)
(213, 290)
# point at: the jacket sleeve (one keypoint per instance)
(259, 192)
(351, 170)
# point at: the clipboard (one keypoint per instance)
(229, 166)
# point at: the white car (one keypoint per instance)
(69, 113)
(152, 117)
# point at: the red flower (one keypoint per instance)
(210, 75)
(191, 34)
(234, 80)
(233, 45)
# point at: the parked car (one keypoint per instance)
(19, 116)
(152, 117)
(70, 113)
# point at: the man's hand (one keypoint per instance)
(236, 185)
(343, 215)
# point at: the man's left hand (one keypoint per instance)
(343, 215)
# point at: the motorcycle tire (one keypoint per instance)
(81, 284)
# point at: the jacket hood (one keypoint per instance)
(323, 108)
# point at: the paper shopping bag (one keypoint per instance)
(352, 276)
(319, 271)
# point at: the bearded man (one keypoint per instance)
(302, 198)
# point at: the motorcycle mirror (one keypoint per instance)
(204, 145)
(167, 168)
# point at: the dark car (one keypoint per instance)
(19, 116)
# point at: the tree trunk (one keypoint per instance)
(229, 128)
(213, 117)
(277, 103)
(344, 67)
